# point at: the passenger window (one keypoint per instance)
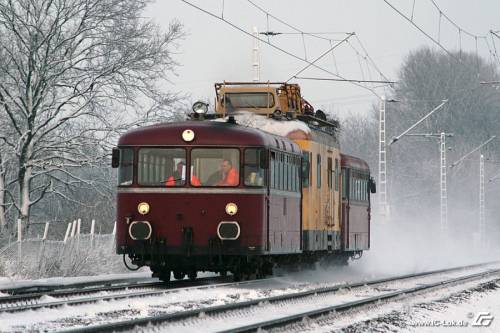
(254, 174)
(273, 169)
(344, 184)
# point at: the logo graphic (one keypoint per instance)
(483, 319)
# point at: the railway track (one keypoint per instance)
(279, 310)
(21, 299)
(47, 288)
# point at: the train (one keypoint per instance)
(259, 182)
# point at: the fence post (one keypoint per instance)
(78, 226)
(68, 229)
(73, 229)
(46, 231)
(41, 252)
(64, 260)
(92, 230)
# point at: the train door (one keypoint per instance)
(345, 207)
(330, 203)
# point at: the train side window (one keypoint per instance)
(282, 172)
(305, 169)
(330, 173)
(294, 171)
(289, 167)
(285, 176)
(365, 189)
(297, 174)
(318, 171)
(272, 169)
(344, 184)
(126, 167)
(253, 171)
(336, 174)
(354, 187)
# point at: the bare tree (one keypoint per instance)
(425, 78)
(73, 74)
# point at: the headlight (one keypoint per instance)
(188, 135)
(231, 209)
(143, 208)
(200, 107)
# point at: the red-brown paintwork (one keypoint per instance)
(352, 162)
(355, 215)
(206, 133)
(172, 211)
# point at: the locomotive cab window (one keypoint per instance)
(254, 173)
(215, 167)
(125, 167)
(162, 166)
(250, 100)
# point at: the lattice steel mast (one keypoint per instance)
(382, 161)
(443, 185)
(482, 219)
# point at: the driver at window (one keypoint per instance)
(178, 177)
(230, 176)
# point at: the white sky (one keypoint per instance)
(213, 51)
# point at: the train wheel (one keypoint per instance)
(192, 275)
(237, 276)
(178, 275)
(164, 276)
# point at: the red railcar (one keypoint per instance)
(176, 213)
(355, 204)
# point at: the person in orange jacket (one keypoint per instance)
(230, 176)
(177, 179)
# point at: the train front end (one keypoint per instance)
(191, 197)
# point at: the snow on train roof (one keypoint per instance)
(269, 125)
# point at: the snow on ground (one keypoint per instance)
(462, 312)
(449, 309)
(193, 297)
(7, 283)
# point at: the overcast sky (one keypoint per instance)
(213, 51)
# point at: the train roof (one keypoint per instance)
(354, 162)
(206, 133)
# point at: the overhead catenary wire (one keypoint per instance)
(316, 35)
(277, 47)
(322, 55)
(351, 80)
(443, 14)
(363, 54)
(460, 31)
(421, 30)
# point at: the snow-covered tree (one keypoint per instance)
(73, 74)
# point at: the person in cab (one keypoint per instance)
(179, 175)
(230, 176)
